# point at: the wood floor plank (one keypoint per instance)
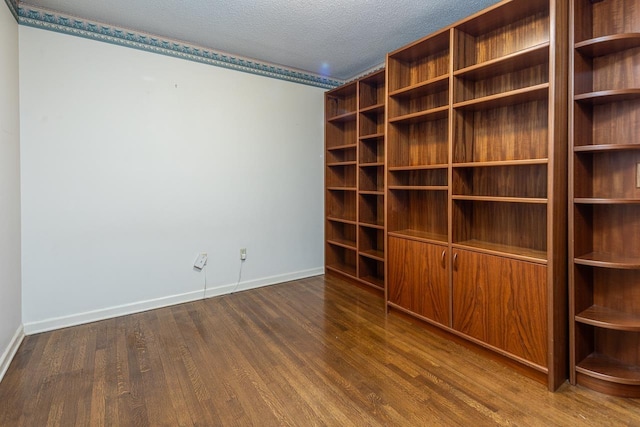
(313, 352)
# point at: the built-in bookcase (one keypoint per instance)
(476, 180)
(355, 186)
(605, 191)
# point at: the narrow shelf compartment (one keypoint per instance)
(371, 268)
(372, 91)
(372, 242)
(371, 179)
(509, 251)
(607, 369)
(607, 260)
(372, 208)
(608, 96)
(506, 64)
(607, 45)
(371, 150)
(604, 317)
(422, 116)
(341, 259)
(518, 96)
(341, 102)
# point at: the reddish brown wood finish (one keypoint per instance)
(501, 139)
(494, 301)
(419, 279)
(354, 180)
(605, 220)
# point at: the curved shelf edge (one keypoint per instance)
(606, 318)
(596, 259)
(605, 45)
(605, 147)
(607, 369)
(607, 96)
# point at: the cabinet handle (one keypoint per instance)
(455, 261)
(444, 253)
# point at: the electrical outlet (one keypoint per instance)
(243, 254)
(638, 175)
(200, 261)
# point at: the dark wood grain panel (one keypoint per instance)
(502, 302)
(419, 279)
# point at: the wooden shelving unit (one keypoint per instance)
(354, 180)
(476, 181)
(604, 221)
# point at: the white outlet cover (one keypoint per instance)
(200, 261)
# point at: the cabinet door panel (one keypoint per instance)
(502, 302)
(418, 278)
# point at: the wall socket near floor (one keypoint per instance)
(201, 261)
(243, 254)
(638, 175)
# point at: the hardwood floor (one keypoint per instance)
(312, 352)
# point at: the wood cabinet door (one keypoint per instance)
(418, 278)
(502, 302)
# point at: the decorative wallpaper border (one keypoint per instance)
(13, 7)
(54, 21)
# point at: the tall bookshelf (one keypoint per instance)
(605, 195)
(476, 174)
(355, 186)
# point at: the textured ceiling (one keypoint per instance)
(334, 38)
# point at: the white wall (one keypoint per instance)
(10, 292)
(133, 162)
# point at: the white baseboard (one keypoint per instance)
(137, 307)
(10, 352)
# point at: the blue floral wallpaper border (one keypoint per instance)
(13, 7)
(53, 21)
